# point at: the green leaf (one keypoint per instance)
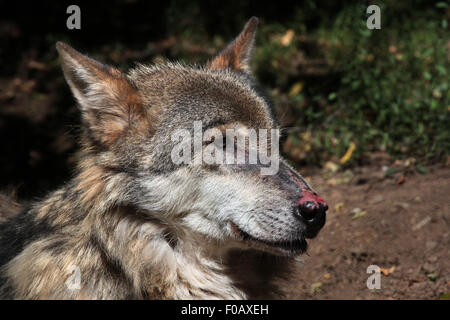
(390, 171)
(441, 69)
(432, 276)
(421, 169)
(428, 52)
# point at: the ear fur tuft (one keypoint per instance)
(236, 55)
(108, 101)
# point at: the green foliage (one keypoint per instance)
(381, 89)
(394, 83)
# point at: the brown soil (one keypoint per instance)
(403, 229)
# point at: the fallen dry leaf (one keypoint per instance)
(358, 214)
(445, 296)
(330, 166)
(346, 177)
(421, 223)
(348, 154)
(400, 180)
(296, 89)
(316, 287)
(388, 271)
(403, 205)
(286, 39)
(339, 206)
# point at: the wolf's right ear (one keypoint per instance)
(236, 55)
(108, 101)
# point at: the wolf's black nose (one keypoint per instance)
(309, 210)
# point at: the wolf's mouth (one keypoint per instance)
(288, 247)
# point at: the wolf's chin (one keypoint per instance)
(285, 247)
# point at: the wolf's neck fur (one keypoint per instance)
(117, 252)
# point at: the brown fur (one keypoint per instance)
(135, 224)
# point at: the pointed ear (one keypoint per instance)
(108, 101)
(236, 55)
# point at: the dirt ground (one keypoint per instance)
(399, 223)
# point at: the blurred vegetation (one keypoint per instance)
(340, 88)
(342, 92)
(380, 89)
(344, 86)
(390, 86)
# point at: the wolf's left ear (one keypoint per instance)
(236, 55)
(108, 101)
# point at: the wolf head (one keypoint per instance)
(129, 121)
